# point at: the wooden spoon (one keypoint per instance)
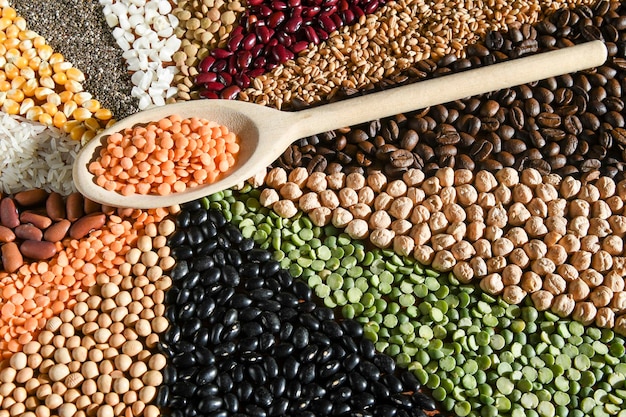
(265, 133)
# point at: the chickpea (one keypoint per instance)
(336, 181)
(457, 230)
(341, 218)
(496, 264)
(438, 222)
(518, 214)
(420, 233)
(614, 281)
(493, 233)
(377, 181)
(517, 236)
(570, 187)
(383, 201)
(401, 208)
(396, 188)
(380, 219)
(420, 214)
(503, 194)
(546, 192)
(298, 176)
(366, 195)
(579, 207)
(511, 275)
(589, 193)
(601, 210)
(433, 203)
(413, 177)
(285, 208)
(276, 178)
(502, 246)
(592, 277)
(581, 260)
(475, 213)
(621, 189)
(462, 250)
(556, 224)
(518, 257)
(531, 282)
(483, 248)
(605, 318)
(585, 313)
(531, 177)
(431, 186)
(403, 245)
(424, 254)
(552, 238)
(513, 294)
(445, 176)
(308, 201)
(579, 289)
(401, 227)
(602, 261)
(537, 207)
(479, 266)
(570, 242)
(463, 272)
(507, 177)
(535, 227)
(613, 245)
(443, 261)
(320, 216)
(486, 200)
(417, 195)
(542, 300)
(475, 230)
(618, 225)
(535, 249)
(355, 180)
(442, 241)
(557, 208)
(606, 187)
(485, 181)
(448, 195)
(601, 296)
(554, 283)
(329, 199)
(557, 254)
(466, 195)
(347, 197)
(552, 179)
(618, 304)
(317, 182)
(615, 203)
(463, 176)
(357, 229)
(497, 216)
(599, 227)
(454, 213)
(492, 284)
(382, 238)
(522, 193)
(563, 305)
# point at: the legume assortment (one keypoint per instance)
(118, 336)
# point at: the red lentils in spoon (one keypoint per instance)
(166, 156)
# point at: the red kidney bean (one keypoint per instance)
(31, 197)
(234, 42)
(206, 77)
(82, 227)
(209, 94)
(293, 24)
(264, 33)
(12, 258)
(57, 231)
(6, 234)
(55, 206)
(249, 41)
(8, 213)
(230, 92)
(311, 35)
(244, 59)
(215, 86)
(74, 207)
(299, 46)
(38, 250)
(91, 206)
(28, 232)
(206, 63)
(225, 78)
(40, 221)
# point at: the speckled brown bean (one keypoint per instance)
(31, 197)
(12, 258)
(55, 206)
(9, 216)
(86, 224)
(74, 207)
(57, 231)
(38, 250)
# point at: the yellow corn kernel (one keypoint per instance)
(43, 92)
(69, 107)
(110, 123)
(81, 114)
(9, 13)
(60, 78)
(3, 97)
(28, 73)
(92, 124)
(44, 51)
(75, 74)
(11, 43)
(45, 69)
(45, 119)
(47, 82)
(39, 41)
(87, 136)
(12, 54)
(5, 85)
(5, 23)
(55, 99)
(29, 87)
(26, 105)
(10, 107)
(92, 105)
(77, 132)
(15, 95)
(71, 124)
(31, 55)
(18, 81)
(66, 96)
(55, 58)
(11, 70)
(12, 31)
(73, 86)
(28, 35)
(50, 108)
(21, 62)
(20, 23)
(33, 113)
(82, 97)
(61, 66)
(25, 45)
(59, 119)
(103, 114)
(3, 49)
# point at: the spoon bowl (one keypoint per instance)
(264, 133)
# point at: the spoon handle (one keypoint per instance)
(449, 88)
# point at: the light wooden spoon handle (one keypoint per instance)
(449, 88)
